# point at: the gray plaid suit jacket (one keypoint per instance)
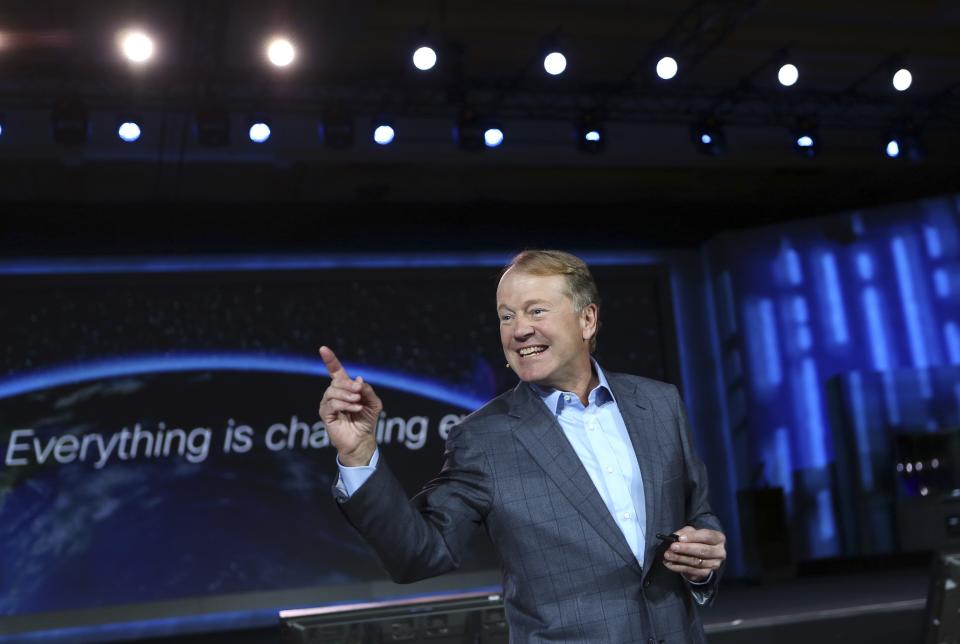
(568, 573)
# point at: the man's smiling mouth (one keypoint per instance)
(531, 351)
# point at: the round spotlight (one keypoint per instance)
(424, 58)
(554, 63)
(893, 148)
(805, 141)
(666, 68)
(593, 136)
(136, 46)
(706, 139)
(383, 134)
(259, 132)
(280, 52)
(129, 131)
(492, 137)
(902, 80)
(788, 75)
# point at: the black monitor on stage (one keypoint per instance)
(477, 618)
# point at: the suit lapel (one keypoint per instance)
(541, 434)
(642, 427)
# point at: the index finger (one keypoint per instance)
(705, 535)
(334, 368)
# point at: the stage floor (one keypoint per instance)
(867, 606)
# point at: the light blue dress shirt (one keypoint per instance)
(600, 438)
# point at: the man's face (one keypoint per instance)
(541, 333)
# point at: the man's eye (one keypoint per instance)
(539, 311)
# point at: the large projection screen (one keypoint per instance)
(164, 467)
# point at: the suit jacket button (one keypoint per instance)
(646, 583)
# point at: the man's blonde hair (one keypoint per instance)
(581, 288)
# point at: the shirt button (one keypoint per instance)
(626, 515)
(609, 470)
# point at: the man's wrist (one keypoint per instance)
(358, 457)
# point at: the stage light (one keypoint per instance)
(336, 129)
(383, 133)
(129, 131)
(424, 58)
(212, 127)
(588, 130)
(554, 63)
(707, 134)
(902, 80)
(788, 74)
(1, 127)
(903, 139)
(259, 131)
(805, 139)
(666, 68)
(280, 52)
(69, 122)
(136, 46)
(893, 148)
(492, 137)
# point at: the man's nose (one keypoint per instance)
(523, 329)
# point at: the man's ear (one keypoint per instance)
(589, 321)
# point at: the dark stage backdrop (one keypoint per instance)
(158, 420)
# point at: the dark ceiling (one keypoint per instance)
(354, 57)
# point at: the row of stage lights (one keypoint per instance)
(471, 132)
(138, 48)
(211, 128)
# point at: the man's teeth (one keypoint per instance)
(531, 350)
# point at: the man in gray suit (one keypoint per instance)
(575, 475)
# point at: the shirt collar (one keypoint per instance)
(555, 399)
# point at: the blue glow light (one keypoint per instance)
(951, 334)
(865, 266)
(804, 338)
(931, 236)
(763, 346)
(784, 458)
(706, 139)
(129, 131)
(812, 413)
(941, 282)
(800, 311)
(834, 299)
(827, 526)
(876, 330)
(805, 141)
(151, 364)
(592, 135)
(492, 137)
(201, 264)
(259, 132)
(893, 148)
(791, 263)
(908, 300)
(891, 397)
